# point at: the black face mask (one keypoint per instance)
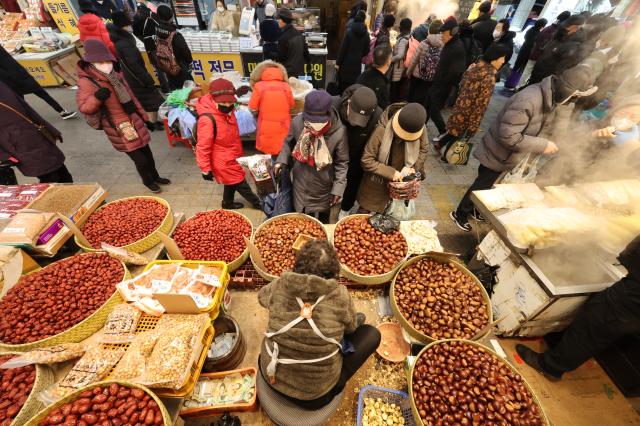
(226, 109)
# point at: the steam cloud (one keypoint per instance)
(418, 11)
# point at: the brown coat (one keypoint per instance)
(335, 316)
(373, 195)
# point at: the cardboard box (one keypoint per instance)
(66, 68)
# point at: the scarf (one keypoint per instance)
(411, 150)
(311, 147)
(118, 85)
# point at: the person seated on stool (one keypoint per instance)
(315, 341)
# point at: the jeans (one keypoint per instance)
(244, 189)
(60, 175)
(145, 164)
(42, 94)
(365, 341)
(485, 180)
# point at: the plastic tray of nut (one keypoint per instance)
(390, 396)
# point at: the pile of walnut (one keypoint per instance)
(376, 412)
(440, 301)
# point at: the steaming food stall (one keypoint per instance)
(554, 248)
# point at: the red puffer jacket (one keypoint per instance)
(89, 104)
(219, 155)
(273, 100)
(92, 26)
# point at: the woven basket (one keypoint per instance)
(239, 261)
(440, 258)
(80, 331)
(414, 409)
(74, 396)
(365, 279)
(150, 240)
(389, 396)
(44, 379)
(264, 274)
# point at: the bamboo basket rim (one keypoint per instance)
(238, 261)
(74, 396)
(264, 274)
(167, 219)
(21, 347)
(44, 379)
(441, 258)
(379, 279)
(414, 409)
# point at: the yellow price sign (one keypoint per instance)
(63, 14)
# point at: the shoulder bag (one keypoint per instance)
(41, 127)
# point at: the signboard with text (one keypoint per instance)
(40, 71)
(317, 69)
(63, 14)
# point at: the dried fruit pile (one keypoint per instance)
(213, 235)
(15, 389)
(275, 241)
(440, 300)
(366, 251)
(458, 383)
(124, 222)
(57, 297)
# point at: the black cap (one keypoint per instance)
(120, 19)
(448, 25)
(285, 14)
(362, 104)
(164, 12)
(563, 16)
(577, 79)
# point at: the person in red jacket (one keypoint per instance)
(91, 26)
(104, 97)
(219, 144)
(272, 99)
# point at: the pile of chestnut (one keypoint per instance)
(15, 389)
(439, 300)
(113, 405)
(455, 383)
(124, 222)
(58, 297)
(365, 250)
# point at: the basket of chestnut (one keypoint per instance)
(366, 255)
(461, 382)
(435, 297)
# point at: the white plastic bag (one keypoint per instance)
(525, 172)
(401, 209)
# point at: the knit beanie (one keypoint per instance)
(408, 123)
(434, 27)
(120, 19)
(270, 9)
(485, 7)
(165, 13)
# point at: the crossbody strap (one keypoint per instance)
(103, 109)
(24, 117)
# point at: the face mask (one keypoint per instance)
(105, 67)
(220, 9)
(226, 109)
(318, 126)
(496, 35)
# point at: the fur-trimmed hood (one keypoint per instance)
(264, 66)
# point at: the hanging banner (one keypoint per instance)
(63, 14)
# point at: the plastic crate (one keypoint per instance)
(390, 396)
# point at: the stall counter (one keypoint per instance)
(41, 65)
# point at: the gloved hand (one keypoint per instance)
(129, 107)
(208, 176)
(102, 93)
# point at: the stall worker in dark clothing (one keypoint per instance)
(359, 112)
(523, 54)
(144, 28)
(169, 40)
(483, 26)
(606, 317)
(293, 52)
(375, 76)
(269, 34)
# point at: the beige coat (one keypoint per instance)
(222, 22)
(374, 195)
(335, 316)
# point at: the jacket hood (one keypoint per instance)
(341, 105)
(546, 87)
(307, 287)
(434, 40)
(164, 29)
(508, 37)
(89, 23)
(268, 71)
(388, 113)
(206, 104)
(358, 29)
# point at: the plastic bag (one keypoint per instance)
(281, 201)
(384, 223)
(246, 121)
(121, 324)
(300, 88)
(49, 355)
(133, 363)
(123, 255)
(525, 172)
(259, 166)
(401, 209)
(24, 228)
(421, 236)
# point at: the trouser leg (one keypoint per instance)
(227, 194)
(42, 94)
(8, 176)
(146, 150)
(60, 175)
(602, 320)
(325, 216)
(247, 193)
(141, 161)
(365, 340)
(354, 176)
(485, 180)
(436, 97)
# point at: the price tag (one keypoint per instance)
(211, 279)
(29, 192)
(160, 286)
(304, 78)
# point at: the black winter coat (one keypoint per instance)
(292, 51)
(354, 47)
(560, 54)
(452, 64)
(483, 28)
(376, 81)
(526, 48)
(15, 76)
(180, 47)
(135, 72)
(20, 139)
(269, 30)
(506, 41)
(144, 27)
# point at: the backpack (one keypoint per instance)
(194, 134)
(368, 60)
(429, 63)
(411, 50)
(472, 50)
(164, 55)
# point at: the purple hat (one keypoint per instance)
(317, 107)
(96, 51)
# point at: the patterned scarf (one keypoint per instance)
(118, 86)
(311, 147)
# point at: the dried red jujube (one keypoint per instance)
(15, 387)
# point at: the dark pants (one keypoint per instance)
(177, 81)
(60, 175)
(436, 98)
(365, 341)
(354, 177)
(399, 90)
(8, 176)
(145, 164)
(244, 189)
(485, 180)
(605, 317)
(323, 216)
(162, 77)
(418, 89)
(45, 96)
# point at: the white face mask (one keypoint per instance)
(496, 34)
(318, 126)
(105, 67)
(220, 9)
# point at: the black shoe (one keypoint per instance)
(475, 215)
(532, 359)
(462, 224)
(257, 206)
(68, 114)
(360, 319)
(153, 187)
(232, 205)
(159, 125)
(163, 181)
